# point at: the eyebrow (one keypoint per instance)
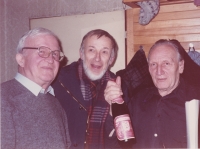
(95, 47)
(91, 46)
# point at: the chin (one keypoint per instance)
(92, 75)
(47, 78)
(162, 87)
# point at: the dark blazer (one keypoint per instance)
(77, 116)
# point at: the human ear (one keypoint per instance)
(20, 59)
(181, 66)
(112, 58)
(81, 52)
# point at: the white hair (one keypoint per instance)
(32, 33)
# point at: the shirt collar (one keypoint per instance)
(32, 86)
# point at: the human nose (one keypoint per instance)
(97, 56)
(159, 70)
(50, 58)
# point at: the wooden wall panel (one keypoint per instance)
(177, 21)
(132, 3)
(129, 35)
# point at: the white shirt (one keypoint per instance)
(32, 86)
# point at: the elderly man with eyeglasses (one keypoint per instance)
(31, 117)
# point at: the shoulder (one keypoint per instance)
(69, 68)
(67, 73)
(10, 90)
(11, 87)
(190, 91)
(144, 94)
(8, 83)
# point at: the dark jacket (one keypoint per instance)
(77, 116)
(160, 122)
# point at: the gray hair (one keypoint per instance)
(99, 33)
(32, 33)
(169, 43)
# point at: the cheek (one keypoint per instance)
(88, 58)
(105, 60)
(56, 67)
(106, 64)
(152, 72)
(31, 63)
(173, 76)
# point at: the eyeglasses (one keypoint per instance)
(45, 52)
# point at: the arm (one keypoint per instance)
(68, 140)
(112, 91)
(8, 139)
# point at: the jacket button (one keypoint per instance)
(80, 108)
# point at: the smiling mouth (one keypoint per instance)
(47, 68)
(95, 66)
(161, 79)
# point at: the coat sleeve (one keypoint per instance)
(8, 139)
(68, 140)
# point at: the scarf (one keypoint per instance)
(96, 105)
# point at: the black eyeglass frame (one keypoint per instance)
(50, 52)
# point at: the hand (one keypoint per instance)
(113, 90)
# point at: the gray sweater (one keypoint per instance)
(30, 122)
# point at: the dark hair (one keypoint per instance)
(99, 33)
(172, 43)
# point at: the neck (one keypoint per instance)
(165, 92)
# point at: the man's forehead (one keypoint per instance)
(91, 40)
(41, 38)
(163, 52)
(94, 47)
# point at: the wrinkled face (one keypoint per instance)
(40, 70)
(96, 56)
(165, 68)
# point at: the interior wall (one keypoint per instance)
(71, 29)
(178, 21)
(15, 17)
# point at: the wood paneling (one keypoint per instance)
(129, 35)
(178, 21)
(132, 3)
